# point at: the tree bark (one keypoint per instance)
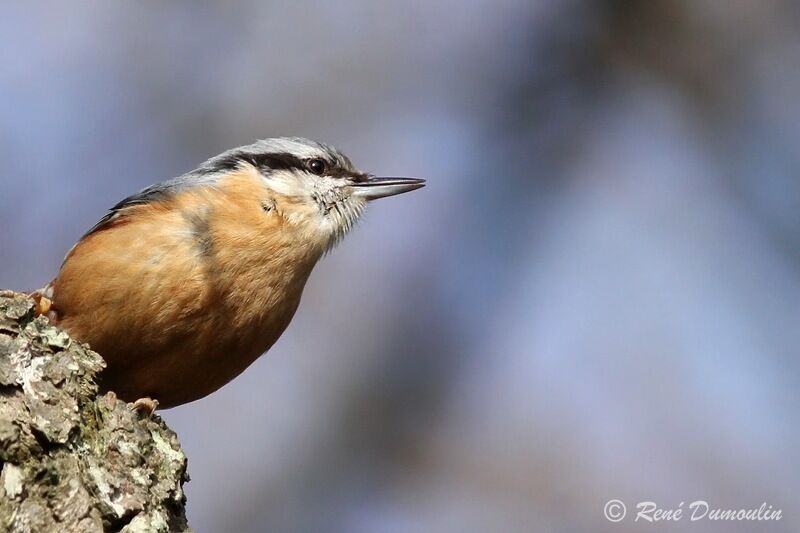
(71, 460)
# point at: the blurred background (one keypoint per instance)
(597, 296)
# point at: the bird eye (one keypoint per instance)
(317, 166)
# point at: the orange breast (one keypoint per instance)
(181, 295)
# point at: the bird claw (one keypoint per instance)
(144, 406)
(43, 304)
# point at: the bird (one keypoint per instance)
(181, 286)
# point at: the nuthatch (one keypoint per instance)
(182, 286)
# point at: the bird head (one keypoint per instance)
(316, 187)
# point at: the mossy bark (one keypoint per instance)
(71, 460)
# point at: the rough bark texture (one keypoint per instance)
(71, 460)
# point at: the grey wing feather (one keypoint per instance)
(145, 196)
(153, 193)
(149, 194)
(206, 174)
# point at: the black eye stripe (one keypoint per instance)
(276, 161)
(282, 161)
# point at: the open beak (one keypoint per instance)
(375, 188)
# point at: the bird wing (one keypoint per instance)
(206, 174)
(150, 194)
(153, 193)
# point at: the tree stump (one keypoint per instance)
(71, 460)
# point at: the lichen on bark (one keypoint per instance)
(71, 460)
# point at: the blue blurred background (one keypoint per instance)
(597, 296)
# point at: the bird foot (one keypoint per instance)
(43, 304)
(144, 406)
